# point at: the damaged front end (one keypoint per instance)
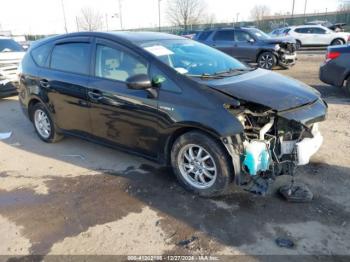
(286, 53)
(273, 143)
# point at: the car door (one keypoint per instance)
(302, 34)
(320, 36)
(120, 115)
(245, 47)
(65, 82)
(223, 40)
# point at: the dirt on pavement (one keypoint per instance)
(78, 198)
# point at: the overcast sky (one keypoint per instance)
(45, 16)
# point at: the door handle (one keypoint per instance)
(95, 95)
(44, 83)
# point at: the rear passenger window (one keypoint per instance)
(40, 54)
(71, 57)
(224, 35)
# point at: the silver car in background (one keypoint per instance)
(11, 53)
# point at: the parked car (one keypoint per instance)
(172, 100)
(337, 27)
(336, 68)
(317, 35)
(279, 32)
(251, 45)
(11, 54)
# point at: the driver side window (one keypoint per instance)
(115, 64)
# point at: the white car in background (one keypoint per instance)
(317, 35)
(11, 54)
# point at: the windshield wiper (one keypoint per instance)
(232, 71)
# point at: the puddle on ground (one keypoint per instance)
(75, 204)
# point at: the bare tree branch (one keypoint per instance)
(90, 20)
(259, 12)
(185, 12)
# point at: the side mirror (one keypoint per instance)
(139, 82)
(251, 40)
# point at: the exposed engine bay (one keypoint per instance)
(286, 53)
(272, 146)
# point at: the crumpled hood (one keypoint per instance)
(266, 88)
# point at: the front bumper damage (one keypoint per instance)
(274, 143)
(286, 54)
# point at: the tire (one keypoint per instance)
(43, 124)
(297, 45)
(267, 60)
(337, 42)
(347, 86)
(218, 159)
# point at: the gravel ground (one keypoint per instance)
(78, 198)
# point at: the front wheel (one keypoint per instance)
(201, 164)
(267, 60)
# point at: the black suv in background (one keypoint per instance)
(251, 45)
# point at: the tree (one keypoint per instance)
(185, 12)
(259, 12)
(90, 20)
(344, 5)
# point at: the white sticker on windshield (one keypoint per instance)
(181, 70)
(159, 50)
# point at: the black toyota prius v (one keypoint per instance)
(173, 100)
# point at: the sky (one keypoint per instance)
(46, 16)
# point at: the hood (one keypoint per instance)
(280, 40)
(11, 57)
(266, 88)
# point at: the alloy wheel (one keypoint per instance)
(266, 61)
(197, 166)
(42, 123)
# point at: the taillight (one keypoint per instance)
(332, 55)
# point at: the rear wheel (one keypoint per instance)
(267, 60)
(43, 124)
(201, 164)
(337, 42)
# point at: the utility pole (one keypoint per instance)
(159, 27)
(292, 20)
(64, 17)
(305, 9)
(120, 14)
(237, 15)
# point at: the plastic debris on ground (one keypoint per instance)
(284, 242)
(298, 193)
(187, 241)
(5, 135)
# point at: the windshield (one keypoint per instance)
(259, 34)
(9, 45)
(192, 58)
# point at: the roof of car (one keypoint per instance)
(122, 36)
